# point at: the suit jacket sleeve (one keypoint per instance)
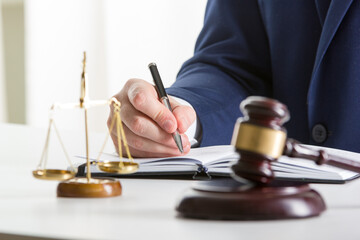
(231, 61)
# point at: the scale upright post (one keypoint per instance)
(83, 102)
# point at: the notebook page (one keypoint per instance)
(200, 156)
(294, 168)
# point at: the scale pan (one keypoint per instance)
(53, 174)
(117, 167)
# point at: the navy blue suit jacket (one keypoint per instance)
(305, 53)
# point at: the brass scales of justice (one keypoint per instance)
(88, 187)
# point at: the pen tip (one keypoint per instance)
(152, 64)
(178, 142)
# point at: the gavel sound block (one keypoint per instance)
(253, 194)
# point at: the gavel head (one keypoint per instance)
(259, 137)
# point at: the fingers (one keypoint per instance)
(144, 99)
(141, 125)
(142, 147)
(139, 144)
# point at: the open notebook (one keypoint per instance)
(215, 161)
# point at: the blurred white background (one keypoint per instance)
(42, 41)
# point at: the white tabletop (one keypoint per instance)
(146, 209)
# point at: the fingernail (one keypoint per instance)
(168, 125)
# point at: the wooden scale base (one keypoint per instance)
(94, 188)
(227, 199)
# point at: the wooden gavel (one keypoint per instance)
(260, 138)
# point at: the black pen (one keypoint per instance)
(164, 99)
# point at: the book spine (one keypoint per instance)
(202, 173)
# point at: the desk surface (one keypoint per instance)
(29, 207)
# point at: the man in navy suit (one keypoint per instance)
(304, 53)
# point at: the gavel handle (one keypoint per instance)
(294, 149)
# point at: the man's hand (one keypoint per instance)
(148, 124)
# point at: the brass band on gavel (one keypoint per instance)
(258, 139)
